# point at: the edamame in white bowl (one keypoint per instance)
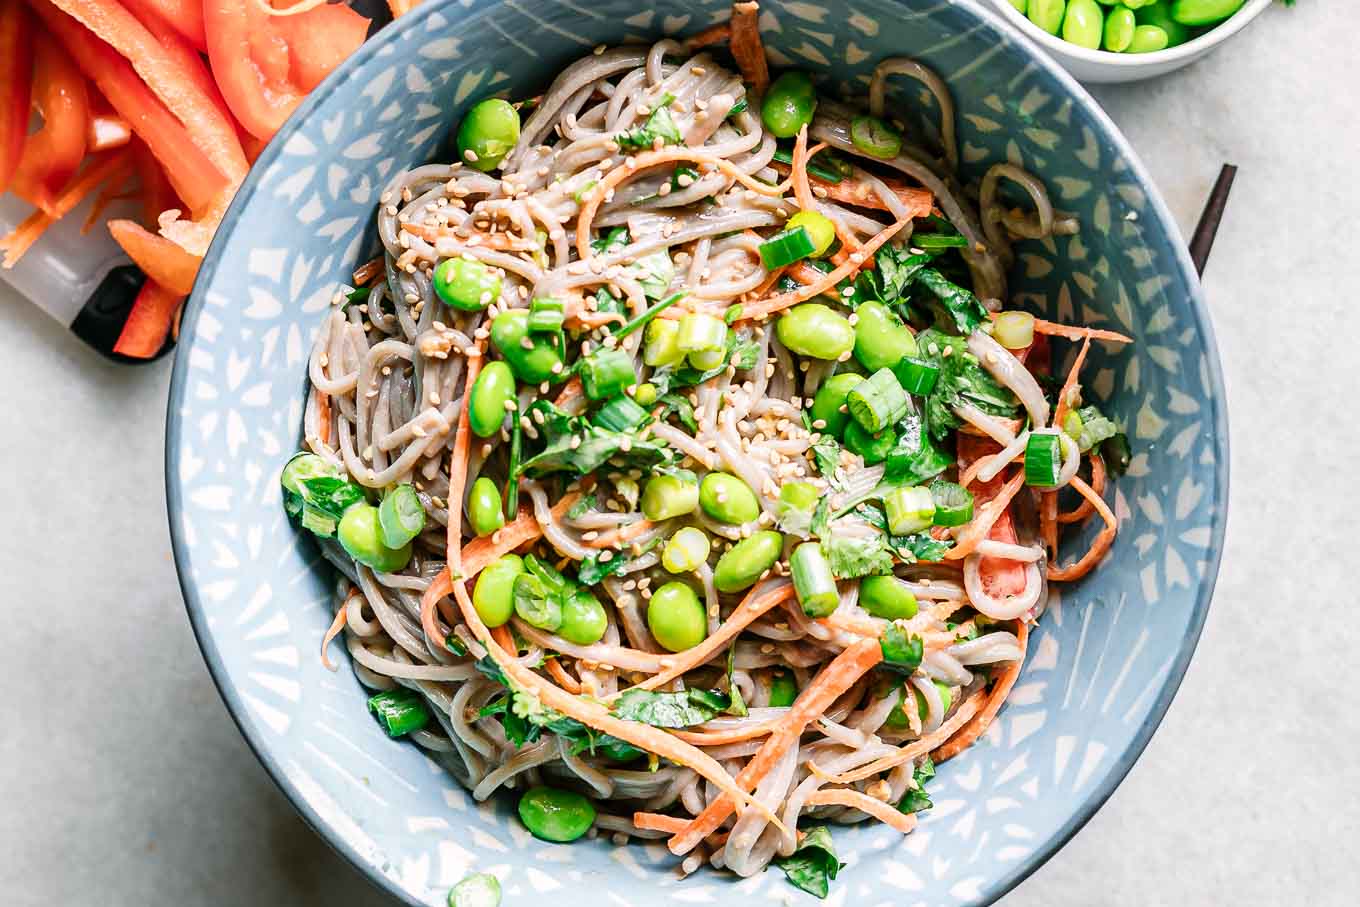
(1104, 66)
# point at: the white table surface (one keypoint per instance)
(124, 782)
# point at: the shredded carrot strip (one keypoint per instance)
(643, 161)
(368, 270)
(1086, 508)
(751, 607)
(986, 517)
(336, 628)
(793, 297)
(717, 738)
(323, 416)
(860, 194)
(1048, 522)
(565, 680)
(658, 822)
(916, 748)
(833, 680)
(1099, 545)
(969, 733)
(886, 813)
(747, 48)
(115, 166)
(714, 34)
(802, 192)
(1069, 387)
(570, 393)
(1072, 332)
(618, 536)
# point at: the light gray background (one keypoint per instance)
(123, 780)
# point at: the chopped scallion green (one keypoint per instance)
(400, 711)
(787, 247)
(1043, 460)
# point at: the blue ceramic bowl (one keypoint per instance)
(1103, 664)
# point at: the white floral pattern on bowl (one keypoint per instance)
(1102, 666)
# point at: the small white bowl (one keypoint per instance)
(1104, 66)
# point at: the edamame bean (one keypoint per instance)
(829, 404)
(783, 689)
(488, 133)
(872, 448)
(815, 330)
(537, 362)
(946, 699)
(789, 104)
(1083, 23)
(1047, 14)
(484, 507)
(555, 815)
(669, 496)
(360, 534)
(493, 395)
(819, 229)
(676, 617)
(401, 516)
(583, 619)
(728, 499)
(466, 283)
(494, 594)
(1147, 39)
(881, 339)
(887, 597)
(743, 563)
(1119, 26)
(1204, 12)
(1159, 15)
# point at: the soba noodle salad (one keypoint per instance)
(684, 469)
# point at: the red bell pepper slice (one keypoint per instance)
(265, 64)
(16, 82)
(53, 154)
(165, 74)
(148, 324)
(162, 260)
(195, 178)
(319, 40)
(184, 16)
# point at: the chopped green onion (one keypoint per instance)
(1092, 427)
(701, 333)
(1072, 424)
(580, 194)
(938, 242)
(606, 373)
(953, 504)
(878, 401)
(400, 711)
(704, 360)
(785, 248)
(916, 375)
(732, 314)
(661, 344)
(875, 137)
(1043, 460)
(1013, 330)
(510, 498)
(910, 508)
(641, 320)
(686, 551)
(621, 414)
(835, 173)
(813, 580)
(401, 516)
(902, 652)
(479, 890)
(546, 315)
(738, 107)
(359, 295)
(317, 522)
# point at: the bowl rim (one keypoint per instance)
(179, 387)
(1135, 62)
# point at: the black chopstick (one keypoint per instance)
(1202, 240)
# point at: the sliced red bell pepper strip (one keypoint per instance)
(16, 81)
(184, 16)
(148, 324)
(165, 74)
(53, 153)
(183, 54)
(249, 61)
(162, 260)
(113, 166)
(195, 178)
(319, 40)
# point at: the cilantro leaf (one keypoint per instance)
(592, 569)
(919, 546)
(966, 309)
(916, 798)
(813, 865)
(574, 445)
(853, 557)
(679, 406)
(902, 652)
(659, 125)
(580, 508)
(826, 454)
(961, 380)
(915, 457)
(670, 710)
